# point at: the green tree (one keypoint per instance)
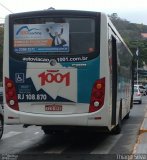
(131, 33)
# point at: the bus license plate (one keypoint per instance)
(53, 108)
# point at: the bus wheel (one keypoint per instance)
(117, 128)
(46, 130)
(127, 116)
(51, 131)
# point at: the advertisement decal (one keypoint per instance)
(57, 82)
(49, 37)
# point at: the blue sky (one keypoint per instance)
(134, 11)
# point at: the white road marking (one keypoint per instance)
(57, 149)
(10, 134)
(36, 133)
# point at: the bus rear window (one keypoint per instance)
(53, 36)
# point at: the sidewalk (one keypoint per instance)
(141, 145)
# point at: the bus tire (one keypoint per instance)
(140, 102)
(46, 130)
(127, 116)
(50, 131)
(118, 127)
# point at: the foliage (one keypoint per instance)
(131, 33)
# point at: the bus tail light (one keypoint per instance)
(11, 97)
(97, 95)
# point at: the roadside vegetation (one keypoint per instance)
(131, 33)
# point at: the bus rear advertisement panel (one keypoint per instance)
(41, 38)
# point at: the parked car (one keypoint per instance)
(1, 113)
(137, 96)
(141, 88)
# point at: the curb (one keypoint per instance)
(143, 127)
(141, 145)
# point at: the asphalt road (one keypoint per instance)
(32, 143)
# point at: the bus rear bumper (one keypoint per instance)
(41, 120)
(83, 119)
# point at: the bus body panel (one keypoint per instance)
(60, 94)
(67, 93)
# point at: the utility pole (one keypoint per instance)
(137, 54)
(137, 71)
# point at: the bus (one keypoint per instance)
(64, 70)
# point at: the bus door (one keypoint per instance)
(113, 74)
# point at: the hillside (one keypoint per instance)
(131, 33)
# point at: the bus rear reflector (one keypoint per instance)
(11, 97)
(97, 95)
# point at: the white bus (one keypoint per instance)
(65, 69)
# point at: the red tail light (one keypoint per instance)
(11, 97)
(97, 95)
